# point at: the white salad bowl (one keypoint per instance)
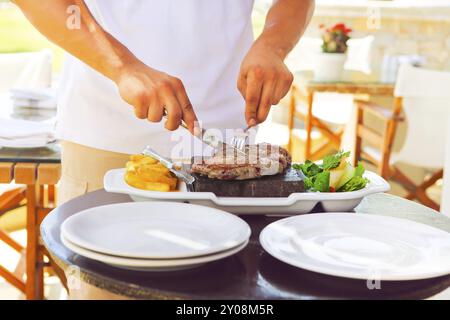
(296, 203)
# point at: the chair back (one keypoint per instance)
(30, 70)
(426, 106)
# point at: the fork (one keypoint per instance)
(217, 144)
(239, 141)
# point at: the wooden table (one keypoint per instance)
(250, 274)
(38, 170)
(306, 86)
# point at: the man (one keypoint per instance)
(194, 59)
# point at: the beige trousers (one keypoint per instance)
(83, 169)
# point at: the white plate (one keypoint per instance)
(32, 145)
(155, 230)
(359, 246)
(149, 264)
(296, 203)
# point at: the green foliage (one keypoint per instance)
(317, 177)
(356, 183)
(322, 182)
(308, 168)
(19, 35)
(332, 161)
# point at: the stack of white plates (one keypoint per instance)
(155, 236)
(38, 98)
(359, 246)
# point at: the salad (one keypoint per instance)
(335, 174)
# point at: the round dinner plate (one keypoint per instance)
(11, 145)
(155, 230)
(359, 246)
(151, 264)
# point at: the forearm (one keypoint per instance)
(285, 24)
(151, 92)
(90, 42)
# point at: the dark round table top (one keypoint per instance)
(250, 274)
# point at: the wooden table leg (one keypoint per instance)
(308, 124)
(34, 287)
(26, 173)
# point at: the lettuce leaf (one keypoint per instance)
(309, 183)
(355, 183)
(332, 161)
(359, 170)
(309, 168)
(322, 182)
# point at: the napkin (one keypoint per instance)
(16, 133)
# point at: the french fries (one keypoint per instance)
(140, 158)
(146, 173)
(150, 174)
(135, 181)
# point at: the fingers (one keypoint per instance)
(265, 101)
(253, 96)
(151, 92)
(141, 107)
(174, 112)
(187, 110)
(155, 110)
(282, 88)
(169, 95)
(242, 83)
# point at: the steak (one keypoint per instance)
(262, 171)
(255, 162)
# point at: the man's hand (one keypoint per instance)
(263, 81)
(264, 78)
(151, 92)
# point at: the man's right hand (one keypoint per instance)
(151, 92)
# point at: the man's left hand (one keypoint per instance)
(263, 81)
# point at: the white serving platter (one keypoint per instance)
(359, 246)
(296, 203)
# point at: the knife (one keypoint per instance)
(210, 140)
(183, 175)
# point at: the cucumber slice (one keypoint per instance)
(347, 175)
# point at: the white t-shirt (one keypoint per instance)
(202, 42)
